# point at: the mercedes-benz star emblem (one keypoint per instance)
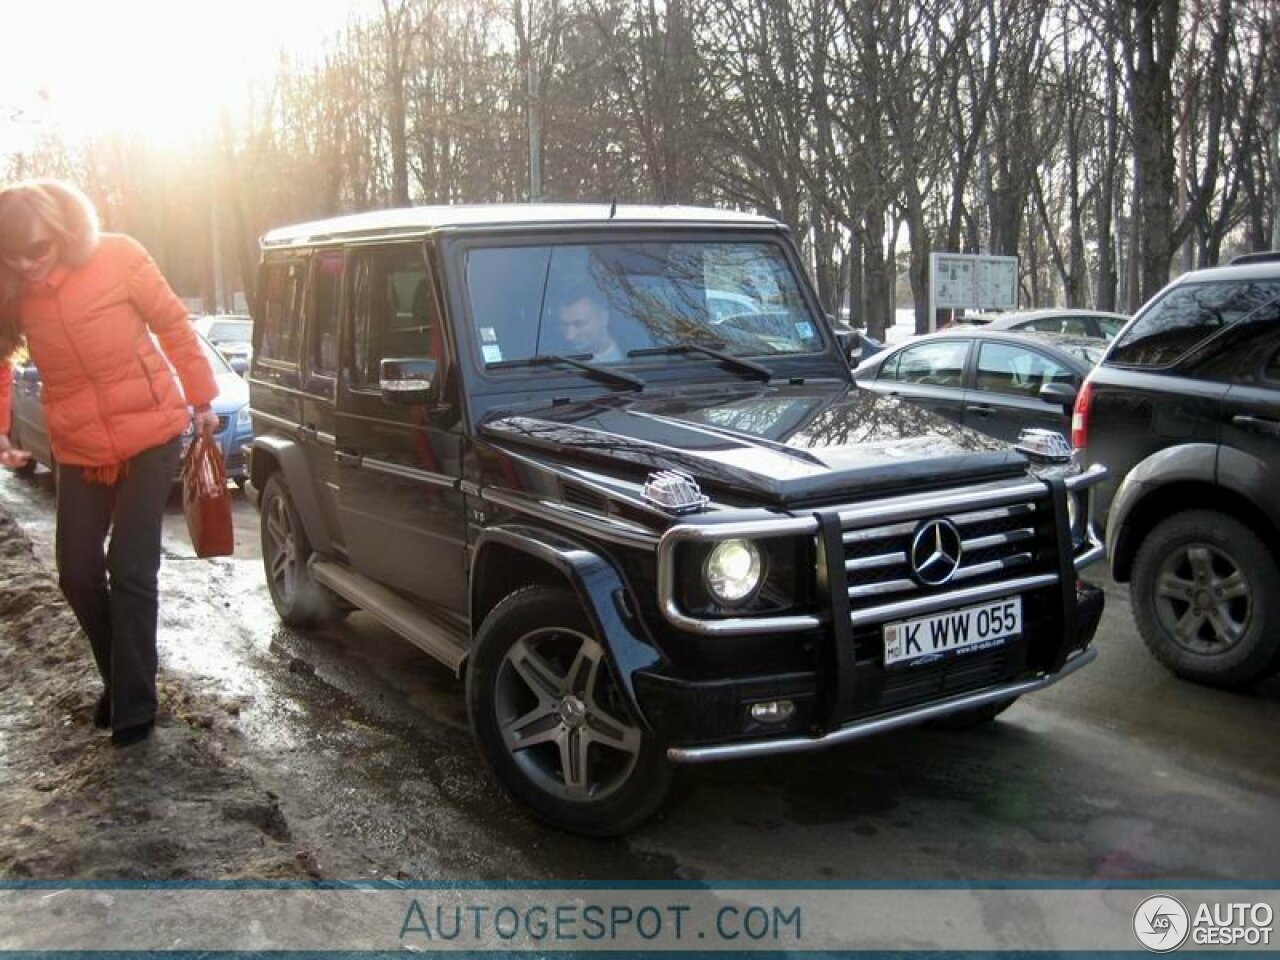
(935, 552)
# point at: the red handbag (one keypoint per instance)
(205, 499)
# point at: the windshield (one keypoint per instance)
(216, 360)
(234, 331)
(603, 301)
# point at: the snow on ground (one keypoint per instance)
(175, 806)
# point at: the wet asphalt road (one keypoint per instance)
(1121, 772)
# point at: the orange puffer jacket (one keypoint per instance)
(108, 392)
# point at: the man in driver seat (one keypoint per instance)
(584, 324)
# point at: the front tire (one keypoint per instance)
(548, 715)
(300, 601)
(1206, 595)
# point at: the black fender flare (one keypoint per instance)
(1195, 462)
(272, 453)
(599, 588)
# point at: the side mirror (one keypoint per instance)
(240, 365)
(1061, 394)
(408, 381)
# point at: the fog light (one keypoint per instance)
(773, 711)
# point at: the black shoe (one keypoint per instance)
(102, 712)
(126, 736)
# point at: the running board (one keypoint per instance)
(394, 611)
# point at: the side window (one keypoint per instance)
(889, 369)
(1044, 325)
(322, 326)
(1246, 355)
(1187, 316)
(1017, 371)
(392, 310)
(1109, 327)
(940, 363)
(282, 310)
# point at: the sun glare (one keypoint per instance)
(160, 71)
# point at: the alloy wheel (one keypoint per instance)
(282, 553)
(557, 708)
(1202, 599)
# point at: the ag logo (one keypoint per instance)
(1161, 924)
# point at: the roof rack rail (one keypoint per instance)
(1262, 256)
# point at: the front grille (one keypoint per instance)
(998, 542)
(958, 674)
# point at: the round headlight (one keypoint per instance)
(244, 418)
(733, 571)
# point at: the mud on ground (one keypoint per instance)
(176, 806)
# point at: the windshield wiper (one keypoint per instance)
(581, 361)
(709, 349)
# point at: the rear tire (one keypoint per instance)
(547, 713)
(1206, 596)
(300, 601)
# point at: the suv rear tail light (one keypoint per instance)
(1080, 417)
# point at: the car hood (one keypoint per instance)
(783, 446)
(233, 393)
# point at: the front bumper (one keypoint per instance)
(844, 690)
(884, 722)
(711, 720)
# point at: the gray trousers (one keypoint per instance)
(113, 589)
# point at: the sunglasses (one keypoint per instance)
(32, 251)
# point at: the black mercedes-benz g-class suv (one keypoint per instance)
(610, 464)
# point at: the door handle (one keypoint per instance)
(981, 408)
(344, 456)
(310, 431)
(1257, 424)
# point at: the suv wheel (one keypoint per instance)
(552, 724)
(1206, 595)
(299, 600)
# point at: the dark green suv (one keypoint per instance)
(1184, 411)
(610, 465)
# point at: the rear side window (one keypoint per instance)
(1186, 317)
(940, 363)
(326, 282)
(282, 310)
(1017, 371)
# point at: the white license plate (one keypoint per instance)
(970, 628)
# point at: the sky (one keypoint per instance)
(159, 69)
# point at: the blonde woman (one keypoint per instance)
(85, 304)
